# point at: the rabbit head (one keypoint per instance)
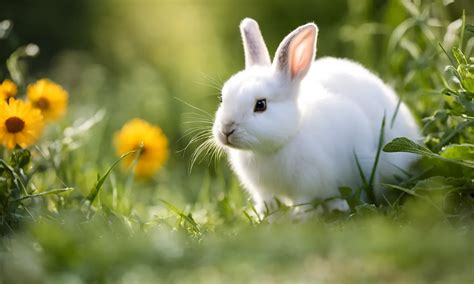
(259, 109)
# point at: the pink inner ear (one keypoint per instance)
(301, 52)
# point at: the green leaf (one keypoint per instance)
(399, 32)
(413, 193)
(402, 144)
(20, 158)
(469, 28)
(14, 67)
(459, 152)
(411, 8)
(352, 198)
(446, 184)
(466, 74)
(346, 192)
(448, 135)
(452, 82)
(16, 178)
(459, 56)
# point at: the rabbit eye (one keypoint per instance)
(260, 105)
(220, 98)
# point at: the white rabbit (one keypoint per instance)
(291, 129)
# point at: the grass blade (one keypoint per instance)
(100, 181)
(182, 215)
(377, 155)
(49, 192)
(361, 172)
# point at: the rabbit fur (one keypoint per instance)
(318, 116)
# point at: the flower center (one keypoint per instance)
(14, 124)
(42, 104)
(143, 150)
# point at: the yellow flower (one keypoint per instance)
(154, 154)
(8, 90)
(49, 97)
(20, 124)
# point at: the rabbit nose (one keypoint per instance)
(228, 128)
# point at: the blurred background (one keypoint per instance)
(149, 51)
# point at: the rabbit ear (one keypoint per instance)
(256, 52)
(296, 52)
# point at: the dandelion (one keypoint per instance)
(138, 133)
(8, 89)
(48, 97)
(20, 124)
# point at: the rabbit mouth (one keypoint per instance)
(225, 140)
(231, 141)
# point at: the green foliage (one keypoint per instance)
(448, 126)
(449, 135)
(15, 191)
(457, 154)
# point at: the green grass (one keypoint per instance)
(69, 215)
(371, 248)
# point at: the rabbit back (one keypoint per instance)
(350, 81)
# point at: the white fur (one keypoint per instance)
(302, 147)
